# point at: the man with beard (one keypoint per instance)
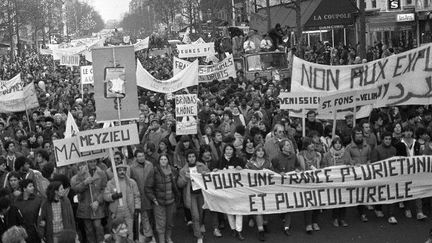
(129, 194)
(357, 153)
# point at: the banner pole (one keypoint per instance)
(28, 118)
(334, 124)
(355, 110)
(303, 123)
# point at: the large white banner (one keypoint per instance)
(186, 78)
(14, 96)
(196, 50)
(207, 73)
(247, 192)
(402, 79)
(186, 114)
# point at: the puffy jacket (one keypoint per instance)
(162, 187)
(131, 196)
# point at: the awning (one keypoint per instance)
(315, 15)
(332, 13)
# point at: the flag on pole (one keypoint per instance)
(71, 127)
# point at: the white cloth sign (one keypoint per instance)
(186, 78)
(70, 60)
(207, 73)
(141, 44)
(247, 192)
(403, 79)
(196, 50)
(14, 96)
(301, 100)
(107, 137)
(71, 126)
(66, 152)
(186, 114)
(87, 75)
(350, 99)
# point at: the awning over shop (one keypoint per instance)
(331, 14)
(315, 15)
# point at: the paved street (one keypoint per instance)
(374, 231)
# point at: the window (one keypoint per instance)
(374, 4)
(409, 2)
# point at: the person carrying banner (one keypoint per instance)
(357, 153)
(381, 152)
(310, 159)
(129, 194)
(259, 161)
(193, 199)
(286, 161)
(334, 157)
(89, 184)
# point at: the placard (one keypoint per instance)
(66, 152)
(87, 74)
(115, 85)
(107, 137)
(186, 114)
(350, 99)
(70, 60)
(196, 50)
(302, 100)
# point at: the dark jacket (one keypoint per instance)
(285, 163)
(382, 152)
(13, 217)
(46, 215)
(30, 210)
(162, 187)
(234, 161)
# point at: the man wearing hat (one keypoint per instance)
(128, 194)
(155, 133)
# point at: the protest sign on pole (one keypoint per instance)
(86, 75)
(115, 83)
(207, 73)
(301, 100)
(186, 114)
(66, 152)
(70, 60)
(247, 192)
(107, 137)
(196, 50)
(349, 99)
(186, 78)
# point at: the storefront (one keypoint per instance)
(332, 21)
(424, 27)
(394, 29)
(322, 20)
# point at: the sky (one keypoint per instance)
(110, 9)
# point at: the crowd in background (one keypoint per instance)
(241, 125)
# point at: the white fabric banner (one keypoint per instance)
(248, 192)
(403, 79)
(186, 78)
(186, 114)
(196, 50)
(142, 44)
(87, 74)
(70, 60)
(14, 96)
(207, 73)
